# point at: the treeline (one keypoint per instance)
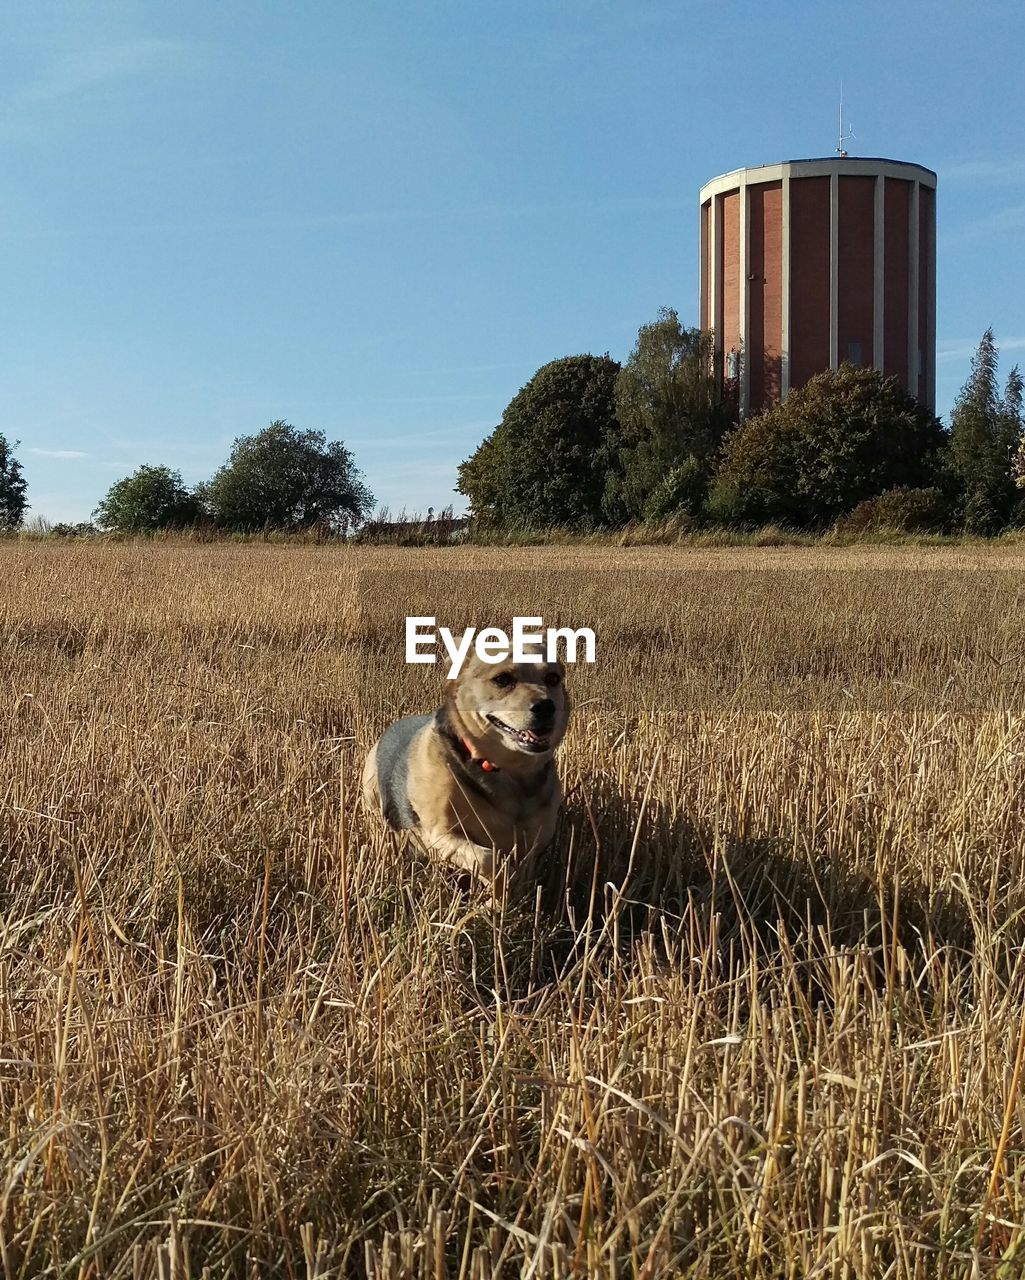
(281, 478)
(589, 443)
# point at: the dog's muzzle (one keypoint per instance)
(536, 739)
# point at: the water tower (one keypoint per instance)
(810, 263)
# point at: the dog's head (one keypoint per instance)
(511, 711)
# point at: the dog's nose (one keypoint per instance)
(543, 710)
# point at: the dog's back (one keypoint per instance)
(392, 766)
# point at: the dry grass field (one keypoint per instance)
(763, 1017)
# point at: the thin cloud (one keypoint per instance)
(1004, 169)
(999, 222)
(414, 436)
(469, 368)
(417, 470)
(87, 68)
(62, 455)
(440, 399)
(68, 79)
(959, 348)
(339, 219)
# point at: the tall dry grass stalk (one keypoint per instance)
(762, 1017)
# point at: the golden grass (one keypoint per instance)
(763, 1018)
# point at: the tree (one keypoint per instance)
(671, 411)
(682, 492)
(546, 462)
(151, 499)
(284, 478)
(845, 436)
(12, 488)
(481, 478)
(985, 439)
(1013, 400)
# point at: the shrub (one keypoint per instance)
(64, 529)
(847, 435)
(901, 509)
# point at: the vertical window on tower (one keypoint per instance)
(732, 363)
(854, 353)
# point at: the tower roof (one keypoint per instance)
(854, 166)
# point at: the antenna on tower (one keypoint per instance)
(845, 137)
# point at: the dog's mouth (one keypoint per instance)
(525, 739)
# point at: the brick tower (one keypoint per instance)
(810, 263)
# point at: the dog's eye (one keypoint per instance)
(504, 680)
(552, 679)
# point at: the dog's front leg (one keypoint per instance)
(478, 859)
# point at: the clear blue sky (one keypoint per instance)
(380, 218)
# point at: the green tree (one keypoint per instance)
(1013, 399)
(547, 461)
(150, 499)
(12, 488)
(845, 436)
(682, 492)
(481, 478)
(671, 411)
(284, 478)
(985, 438)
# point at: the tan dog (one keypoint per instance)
(477, 778)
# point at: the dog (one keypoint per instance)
(476, 782)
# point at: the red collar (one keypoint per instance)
(486, 765)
